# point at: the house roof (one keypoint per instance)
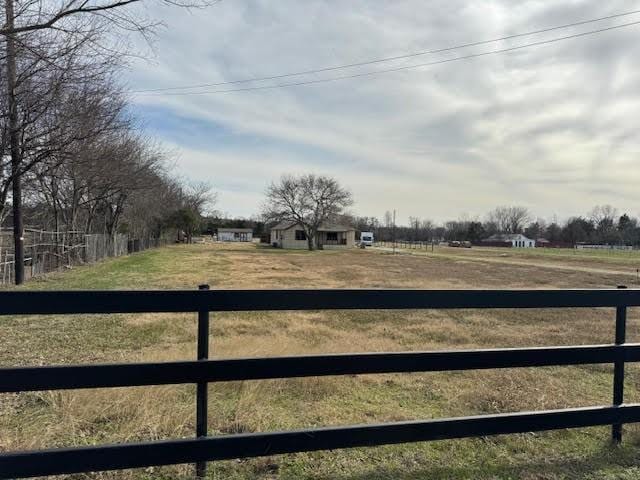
(239, 230)
(506, 237)
(327, 227)
(283, 225)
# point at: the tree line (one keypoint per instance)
(312, 200)
(72, 156)
(603, 224)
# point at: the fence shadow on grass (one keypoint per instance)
(608, 463)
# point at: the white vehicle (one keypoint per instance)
(366, 238)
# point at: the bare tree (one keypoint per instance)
(499, 217)
(388, 219)
(518, 218)
(427, 227)
(414, 225)
(73, 29)
(193, 201)
(199, 197)
(98, 144)
(509, 219)
(603, 215)
(37, 15)
(604, 219)
(307, 200)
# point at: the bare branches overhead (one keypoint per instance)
(63, 127)
(68, 15)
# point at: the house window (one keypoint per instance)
(332, 236)
(300, 235)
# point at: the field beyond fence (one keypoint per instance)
(241, 445)
(47, 251)
(87, 418)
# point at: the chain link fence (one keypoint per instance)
(47, 251)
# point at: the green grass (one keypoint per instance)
(159, 268)
(36, 420)
(613, 257)
(608, 255)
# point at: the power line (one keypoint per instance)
(397, 69)
(388, 59)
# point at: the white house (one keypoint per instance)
(517, 240)
(235, 235)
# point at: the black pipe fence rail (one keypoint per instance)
(203, 371)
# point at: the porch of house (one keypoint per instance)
(330, 238)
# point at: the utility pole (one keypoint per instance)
(14, 143)
(394, 231)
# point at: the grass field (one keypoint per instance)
(35, 420)
(624, 263)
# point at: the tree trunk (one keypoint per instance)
(14, 142)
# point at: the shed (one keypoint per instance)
(235, 235)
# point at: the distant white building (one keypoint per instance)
(517, 240)
(235, 235)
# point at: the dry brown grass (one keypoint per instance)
(35, 420)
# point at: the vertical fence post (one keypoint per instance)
(618, 367)
(202, 393)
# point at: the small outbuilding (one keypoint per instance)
(288, 234)
(542, 242)
(235, 235)
(515, 240)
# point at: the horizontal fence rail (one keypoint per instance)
(171, 373)
(108, 457)
(158, 301)
(204, 371)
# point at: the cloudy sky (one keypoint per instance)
(552, 127)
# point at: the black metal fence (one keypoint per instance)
(203, 371)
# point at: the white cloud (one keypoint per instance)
(550, 127)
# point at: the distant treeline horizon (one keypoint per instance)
(603, 224)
